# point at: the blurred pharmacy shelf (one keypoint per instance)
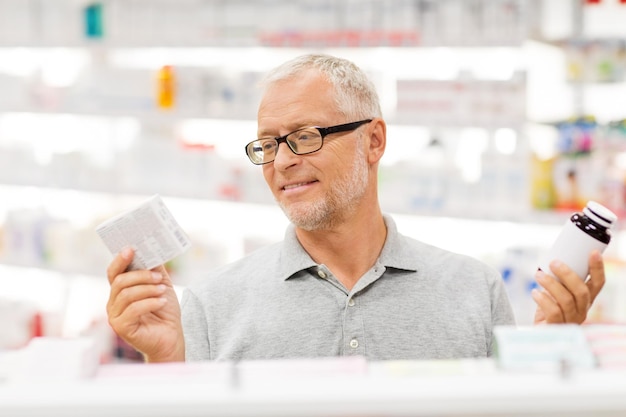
(299, 23)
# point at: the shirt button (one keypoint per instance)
(351, 302)
(321, 274)
(354, 343)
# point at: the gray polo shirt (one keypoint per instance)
(416, 302)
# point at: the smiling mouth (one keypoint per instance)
(300, 184)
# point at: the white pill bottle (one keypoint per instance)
(582, 233)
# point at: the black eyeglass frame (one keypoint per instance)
(324, 131)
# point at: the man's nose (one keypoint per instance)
(284, 156)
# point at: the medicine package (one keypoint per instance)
(150, 230)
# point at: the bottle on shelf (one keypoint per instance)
(94, 28)
(166, 87)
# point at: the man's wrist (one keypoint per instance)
(176, 355)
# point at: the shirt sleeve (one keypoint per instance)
(194, 323)
(501, 309)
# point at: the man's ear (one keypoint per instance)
(377, 139)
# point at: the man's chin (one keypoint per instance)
(304, 218)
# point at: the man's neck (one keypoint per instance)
(350, 249)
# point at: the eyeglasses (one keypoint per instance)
(301, 142)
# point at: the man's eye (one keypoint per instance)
(307, 136)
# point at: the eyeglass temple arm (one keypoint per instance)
(342, 128)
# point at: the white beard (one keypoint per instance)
(338, 204)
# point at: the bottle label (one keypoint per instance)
(572, 247)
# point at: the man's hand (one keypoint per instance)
(143, 310)
(568, 299)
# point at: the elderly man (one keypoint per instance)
(344, 281)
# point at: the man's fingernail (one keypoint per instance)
(127, 253)
(556, 264)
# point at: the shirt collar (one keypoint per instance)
(293, 257)
(396, 252)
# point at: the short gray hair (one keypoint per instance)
(355, 94)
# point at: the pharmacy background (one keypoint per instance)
(504, 119)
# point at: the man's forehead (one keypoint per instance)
(285, 126)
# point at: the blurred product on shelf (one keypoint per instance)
(166, 87)
(94, 25)
(123, 352)
(600, 61)
(589, 164)
(577, 136)
(21, 322)
(465, 101)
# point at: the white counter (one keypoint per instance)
(328, 387)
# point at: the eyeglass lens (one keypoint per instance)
(300, 142)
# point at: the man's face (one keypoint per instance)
(318, 190)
